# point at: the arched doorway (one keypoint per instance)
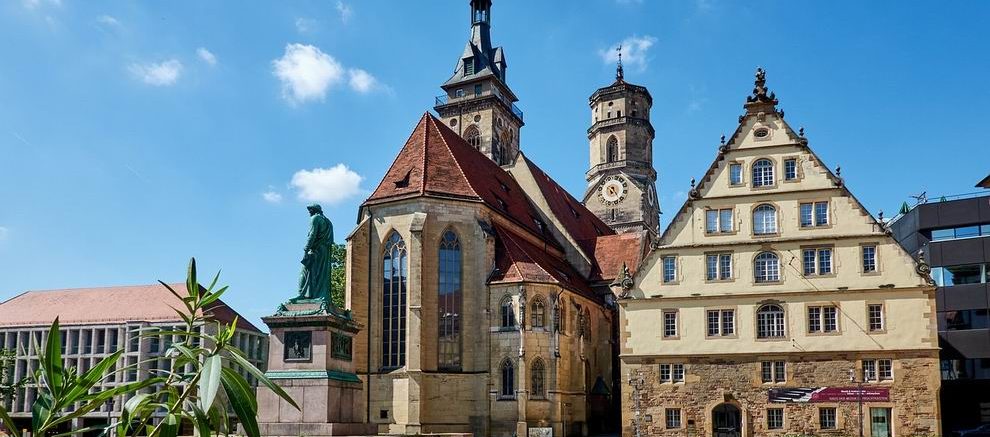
(726, 421)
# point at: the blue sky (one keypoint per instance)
(134, 135)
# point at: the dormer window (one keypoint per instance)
(469, 66)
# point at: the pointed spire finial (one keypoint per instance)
(618, 68)
(722, 140)
(838, 171)
(801, 131)
(762, 99)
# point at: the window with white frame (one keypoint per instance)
(721, 323)
(817, 261)
(765, 220)
(718, 266)
(669, 269)
(813, 214)
(773, 371)
(869, 258)
(673, 418)
(671, 372)
(718, 221)
(826, 418)
(775, 418)
(874, 313)
(735, 174)
(770, 321)
(763, 173)
(790, 169)
(670, 323)
(875, 370)
(766, 267)
(823, 319)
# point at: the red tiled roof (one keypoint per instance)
(436, 161)
(519, 260)
(611, 251)
(106, 305)
(582, 224)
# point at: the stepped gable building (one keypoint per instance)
(483, 285)
(770, 290)
(96, 322)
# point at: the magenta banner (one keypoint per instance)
(830, 394)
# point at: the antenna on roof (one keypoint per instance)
(921, 198)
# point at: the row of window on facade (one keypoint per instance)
(962, 274)
(827, 418)
(775, 371)
(771, 321)
(449, 291)
(815, 261)
(810, 215)
(763, 172)
(960, 232)
(537, 380)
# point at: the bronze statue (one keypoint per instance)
(314, 281)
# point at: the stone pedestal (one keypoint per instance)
(310, 358)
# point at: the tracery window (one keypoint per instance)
(507, 313)
(538, 313)
(612, 149)
(394, 289)
(449, 294)
(767, 267)
(537, 385)
(770, 321)
(765, 219)
(763, 173)
(473, 136)
(508, 386)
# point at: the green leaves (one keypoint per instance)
(242, 400)
(8, 422)
(209, 381)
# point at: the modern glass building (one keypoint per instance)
(953, 234)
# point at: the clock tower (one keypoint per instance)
(621, 179)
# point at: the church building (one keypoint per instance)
(775, 304)
(484, 288)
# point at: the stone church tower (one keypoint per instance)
(621, 179)
(478, 103)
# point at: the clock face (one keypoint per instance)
(612, 190)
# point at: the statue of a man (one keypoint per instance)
(314, 282)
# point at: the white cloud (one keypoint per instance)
(271, 196)
(206, 56)
(305, 25)
(107, 21)
(345, 11)
(635, 52)
(306, 73)
(158, 74)
(330, 185)
(362, 81)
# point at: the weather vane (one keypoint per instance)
(618, 69)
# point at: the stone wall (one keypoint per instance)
(736, 380)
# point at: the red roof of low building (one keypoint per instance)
(435, 161)
(105, 305)
(519, 260)
(611, 251)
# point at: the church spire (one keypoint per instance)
(619, 75)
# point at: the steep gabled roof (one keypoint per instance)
(612, 251)
(437, 162)
(519, 260)
(106, 305)
(582, 225)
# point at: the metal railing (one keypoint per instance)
(444, 99)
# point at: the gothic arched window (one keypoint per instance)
(508, 373)
(765, 219)
(763, 173)
(766, 266)
(538, 313)
(612, 149)
(537, 382)
(394, 288)
(449, 297)
(473, 136)
(507, 313)
(770, 321)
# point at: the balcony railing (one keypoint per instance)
(444, 99)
